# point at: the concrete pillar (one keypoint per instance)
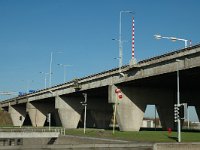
(129, 115)
(36, 115)
(130, 110)
(192, 98)
(69, 110)
(38, 111)
(166, 115)
(18, 114)
(101, 111)
(197, 107)
(101, 118)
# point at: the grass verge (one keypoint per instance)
(141, 136)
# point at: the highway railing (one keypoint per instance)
(33, 129)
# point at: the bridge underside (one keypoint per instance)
(188, 81)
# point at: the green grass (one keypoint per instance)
(141, 136)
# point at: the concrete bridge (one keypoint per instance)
(151, 81)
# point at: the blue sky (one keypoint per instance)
(83, 30)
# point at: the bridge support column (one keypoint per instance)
(192, 97)
(101, 111)
(197, 107)
(101, 118)
(69, 110)
(36, 116)
(130, 110)
(166, 115)
(17, 113)
(37, 112)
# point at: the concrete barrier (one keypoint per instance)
(81, 147)
(176, 146)
(29, 134)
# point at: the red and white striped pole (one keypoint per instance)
(133, 60)
(133, 39)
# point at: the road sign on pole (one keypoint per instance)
(85, 110)
(119, 93)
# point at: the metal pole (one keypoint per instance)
(27, 86)
(155, 117)
(185, 43)
(114, 117)
(65, 72)
(49, 115)
(188, 115)
(120, 41)
(85, 118)
(85, 113)
(50, 69)
(45, 81)
(178, 104)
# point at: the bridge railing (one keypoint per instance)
(33, 129)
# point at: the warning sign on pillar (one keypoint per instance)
(119, 93)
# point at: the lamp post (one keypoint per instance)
(173, 39)
(50, 68)
(155, 116)
(45, 78)
(188, 118)
(65, 72)
(178, 103)
(177, 77)
(120, 39)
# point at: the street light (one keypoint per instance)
(173, 39)
(50, 68)
(178, 102)
(120, 39)
(45, 78)
(65, 72)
